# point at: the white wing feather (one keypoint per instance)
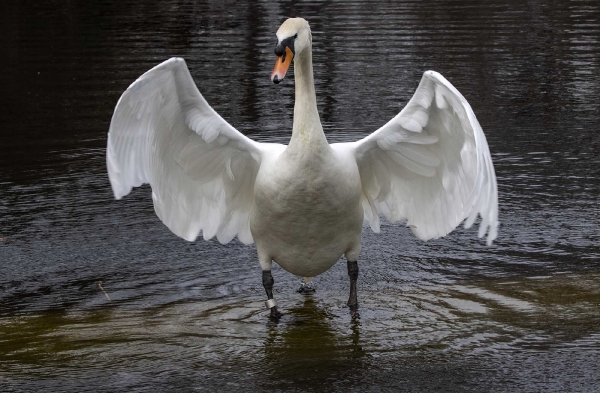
(430, 165)
(201, 169)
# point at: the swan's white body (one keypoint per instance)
(307, 210)
(302, 204)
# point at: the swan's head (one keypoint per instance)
(292, 38)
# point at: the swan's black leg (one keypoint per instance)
(268, 282)
(352, 300)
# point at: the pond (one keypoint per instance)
(98, 295)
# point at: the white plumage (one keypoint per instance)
(303, 204)
(201, 169)
(430, 165)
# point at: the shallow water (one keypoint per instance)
(448, 315)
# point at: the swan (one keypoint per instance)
(303, 204)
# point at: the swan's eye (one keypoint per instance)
(295, 35)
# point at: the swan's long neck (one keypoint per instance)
(307, 131)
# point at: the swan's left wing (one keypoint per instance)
(201, 169)
(430, 165)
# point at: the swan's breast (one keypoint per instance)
(307, 208)
(321, 186)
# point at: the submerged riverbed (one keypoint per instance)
(98, 295)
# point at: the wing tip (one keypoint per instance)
(492, 233)
(175, 60)
(119, 192)
(433, 74)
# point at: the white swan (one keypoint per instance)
(302, 204)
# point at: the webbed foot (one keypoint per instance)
(306, 288)
(354, 311)
(275, 314)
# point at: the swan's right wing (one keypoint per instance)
(201, 169)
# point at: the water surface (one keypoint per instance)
(448, 315)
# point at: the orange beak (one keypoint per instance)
(281, 65)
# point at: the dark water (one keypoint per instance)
(446, 315)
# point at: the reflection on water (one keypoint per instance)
(450, 314)
(307, 348)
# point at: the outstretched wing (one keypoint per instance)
(430, 165)
(201, 169)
